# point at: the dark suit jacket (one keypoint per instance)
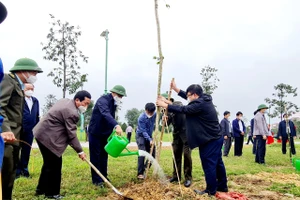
(202, 124)
(282, 129)
(30, 118)
(103, 116)
(58, 128)
(236, 128)
(225, 124)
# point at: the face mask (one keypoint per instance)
(188, 100)
(149, 116)
(117, 100)
(82, 109)
(31, 79)
(28, 93)
(266, 112)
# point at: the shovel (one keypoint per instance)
(107, 182)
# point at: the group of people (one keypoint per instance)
(258, 134)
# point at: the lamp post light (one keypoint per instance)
(105, 34)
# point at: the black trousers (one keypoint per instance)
(283, 143)
(9, 166)
(254, 146)
(25, 154)
(238, 145)
(180, 146)
(98, 156)
(50, 178)
(250, 139)
(129, 136)
(213, 166)
(260, 150)
(144, 145)
(227, 146)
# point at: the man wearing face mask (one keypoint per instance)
(11, 103)
(146, 122)
(238, 129)
(31, 115)
(203, 131)
(260, 133)
(56, 130)
(101, 125)
(227, 133)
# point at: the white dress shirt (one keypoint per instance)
(29, 102)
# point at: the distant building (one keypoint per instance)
(295, 116)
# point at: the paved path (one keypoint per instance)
(131, 144)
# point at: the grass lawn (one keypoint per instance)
(270, 181)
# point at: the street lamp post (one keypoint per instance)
(105, 34)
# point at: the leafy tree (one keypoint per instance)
(132, 116)
(124, 126)
(61, 47)
(279, 102)
(50, 101)
(209, 79)
(88, 113)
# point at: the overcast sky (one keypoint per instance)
(254, 45)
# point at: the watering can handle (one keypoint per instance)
(111, 135)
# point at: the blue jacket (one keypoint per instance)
(282, 129)
(30, 119)
(103, 116)
(146, 126)
(236, 128)
(202, 123)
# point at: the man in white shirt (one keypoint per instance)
(30, 119)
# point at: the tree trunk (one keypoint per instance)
(160, 65)
(65, 67)
(156, 132)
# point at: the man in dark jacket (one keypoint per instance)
(252, 132)
(287, 135)
(226, 132)
(180, 146)
(25, 70)
(204, 132)
(31, 113)
(100, 127)
(238, 129)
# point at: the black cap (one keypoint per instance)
(3, 12)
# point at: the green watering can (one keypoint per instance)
(116, 144)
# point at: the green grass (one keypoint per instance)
(76, 178)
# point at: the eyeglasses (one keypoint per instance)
(120, 96)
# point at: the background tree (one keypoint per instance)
(209, 79)
(88, 113)
(50, 101)
(279, 101)
(61, 47)
(124, 126)
(132, 116)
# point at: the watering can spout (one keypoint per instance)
(129, 153)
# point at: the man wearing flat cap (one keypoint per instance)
(260, 133)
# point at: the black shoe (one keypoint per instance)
(173, 179)
(187, 183)
(54, 197)
(202, 192)
(222, 190)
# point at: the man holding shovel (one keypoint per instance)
(53, 134)
(203, 131)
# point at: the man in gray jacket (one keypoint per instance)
(260, 133)
(53, 134)
(227, 133)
